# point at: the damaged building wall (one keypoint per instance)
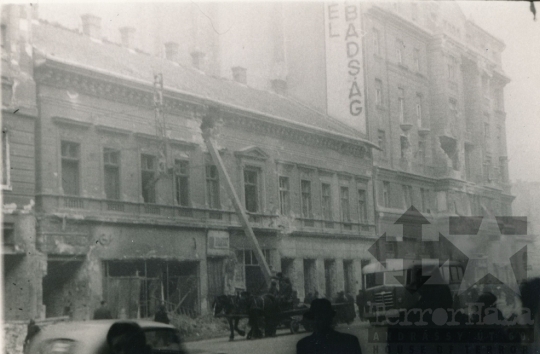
(23, 264)
(23, 271)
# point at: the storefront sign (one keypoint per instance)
(344, 64)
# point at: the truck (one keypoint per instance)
(389, 287)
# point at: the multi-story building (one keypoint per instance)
(130, 216)
(434, 84)
(23, 265)
(130, 207)
(527, 194)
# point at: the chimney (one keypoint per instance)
(197, 59)
(172, 50)
(239, 74)
(128, 37)
(91, 26)
(279, 86)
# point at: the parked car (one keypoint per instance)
(90, 337)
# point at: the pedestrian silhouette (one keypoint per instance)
(127, 338)
(103, 312)
(31, 330)
(324, 338)
(161, 315)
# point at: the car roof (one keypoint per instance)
(397, 264)
(90, 334)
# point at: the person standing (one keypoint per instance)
(324, 338)
(360, 302)
(161, 315)
(308, 299)
(351, 313)
(273, 289)
(103, 312)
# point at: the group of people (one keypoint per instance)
(344, 303)
(104, 313)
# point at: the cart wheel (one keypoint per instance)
(294, 326)
(307, 326)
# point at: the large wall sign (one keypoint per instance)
(344, 64)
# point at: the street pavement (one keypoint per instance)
(284, 343)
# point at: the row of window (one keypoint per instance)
(327, 209)
(407, 197)
(70, 154)
(400, 51)
(419, 153)
(418, 104)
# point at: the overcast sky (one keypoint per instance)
(512, 22)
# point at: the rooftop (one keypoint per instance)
(69, 47)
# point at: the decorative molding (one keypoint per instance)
(182, 143)
(252, 152)
(147, 136)
(305, 138)
(55, 75)
(110, 91)
(71, 122)
(112, 130)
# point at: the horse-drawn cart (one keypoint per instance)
(293, 319)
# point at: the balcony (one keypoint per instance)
(416, 167)
(335, 227)
(157, 213)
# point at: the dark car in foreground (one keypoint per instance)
(90, 337)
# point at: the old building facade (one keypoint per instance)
(131, 209)
(23, 265)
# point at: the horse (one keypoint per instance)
(232, 308)
(263, 308)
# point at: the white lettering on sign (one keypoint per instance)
(344, 64)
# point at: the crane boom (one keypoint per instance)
(206, 128)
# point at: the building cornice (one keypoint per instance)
(398, 21)
(139, 93)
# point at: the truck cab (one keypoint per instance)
(390, 288)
